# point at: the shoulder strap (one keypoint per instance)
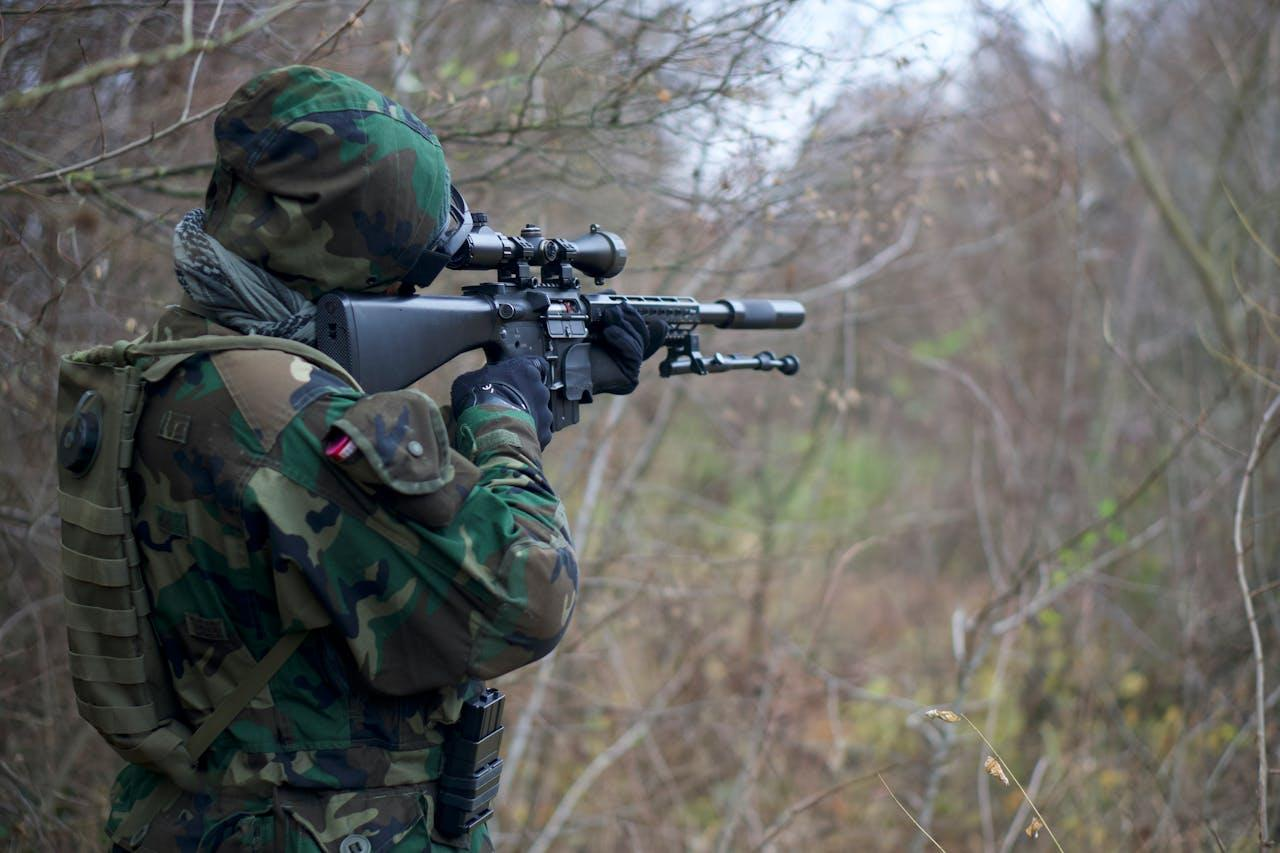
(231, 706)
(201, 739)
(171, 352)
(221, 343)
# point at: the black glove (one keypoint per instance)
(628, 340)
(517, 382)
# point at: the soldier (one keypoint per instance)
(271, 499)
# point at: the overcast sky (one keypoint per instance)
(932, 34)
(937, 30)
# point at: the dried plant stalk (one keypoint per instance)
(909, 815)
(995, 765)
(995, 769)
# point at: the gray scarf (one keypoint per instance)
(234, 292)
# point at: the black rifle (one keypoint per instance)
(390, 342)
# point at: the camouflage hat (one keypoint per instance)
(326, 183)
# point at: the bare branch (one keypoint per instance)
(1208, 273)
(134, 61)
(1259, 672)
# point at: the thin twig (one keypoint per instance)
(802, 805)
(30, 608)
(54, 174)
(598, 765)
(1032, 560)
(90, 181)
(1259, 673)
(97, 108)
(909, 815)
(854, 278)
(134, 61)
(1156, 186)
(115, 152)
(1088, 571)
(351, 19)
(195, 67)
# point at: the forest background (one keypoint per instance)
(1023, 474)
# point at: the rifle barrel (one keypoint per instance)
(685, 311)
(752, 313)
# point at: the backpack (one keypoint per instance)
(120, 677)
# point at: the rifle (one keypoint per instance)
(390, 342)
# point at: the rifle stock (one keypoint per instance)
(391, 342)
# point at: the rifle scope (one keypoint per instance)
(598, 253)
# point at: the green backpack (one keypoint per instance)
(120, 678)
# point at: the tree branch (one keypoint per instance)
(134, 61)
(1149, 175)
(1259, 673)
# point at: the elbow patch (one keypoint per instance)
(395, 445)
(535, 620)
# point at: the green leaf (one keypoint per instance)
(1117, 534)
(943, 346)
(951, 342)
(509, 59)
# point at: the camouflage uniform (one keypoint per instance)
(422, 564)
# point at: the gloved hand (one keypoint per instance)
(517, 382)
(628, 340)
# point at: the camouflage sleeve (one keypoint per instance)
(435, 564)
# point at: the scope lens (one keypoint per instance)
(600, 254)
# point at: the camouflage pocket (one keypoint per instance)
(396, 446)
(401, 435)
(375, 820)
(205, 824)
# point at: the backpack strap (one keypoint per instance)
(168, 355)
(203, 737)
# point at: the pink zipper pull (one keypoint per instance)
(340, 447)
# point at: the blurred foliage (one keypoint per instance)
(1004, 481)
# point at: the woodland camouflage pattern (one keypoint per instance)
(425, 569)
(325, 182)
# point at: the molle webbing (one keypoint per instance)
(115, 665)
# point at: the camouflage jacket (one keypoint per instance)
(424, 568)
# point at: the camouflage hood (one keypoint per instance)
(326, 184)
